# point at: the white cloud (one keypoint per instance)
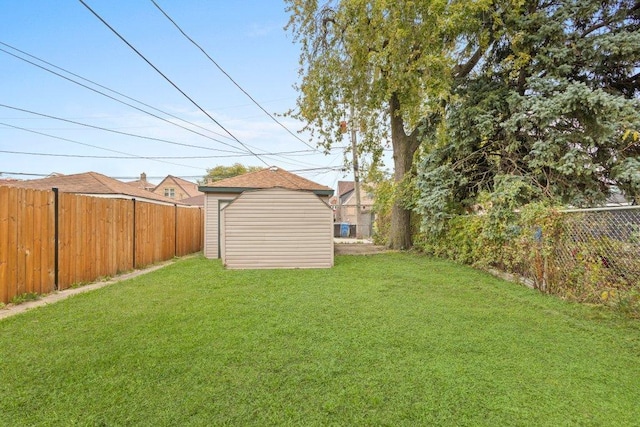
(263, 30)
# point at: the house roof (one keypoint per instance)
(194, 201)
(344, 187)
(272, 177)
(138, 183)
(8, 181)
(350, 199)
(189, 188)
(347, 194)
(142, 183)
(90, 183)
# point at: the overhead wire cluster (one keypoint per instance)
(235, 146)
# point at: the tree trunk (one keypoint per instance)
(404, 147)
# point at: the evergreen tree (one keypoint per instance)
(552, 113)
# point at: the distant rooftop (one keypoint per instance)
(194, 201)
(345, 186)
(189, 188)
(90, 183)
(142, 183)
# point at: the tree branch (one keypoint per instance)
(622, 14)
(462, 70)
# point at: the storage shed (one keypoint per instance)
(268, 219)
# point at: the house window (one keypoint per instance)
(170, 192)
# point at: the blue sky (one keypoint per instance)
(246, 38)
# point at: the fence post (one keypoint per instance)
(134, 234)
(56, 239)
(175, 230)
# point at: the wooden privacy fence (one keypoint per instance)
(51, 241)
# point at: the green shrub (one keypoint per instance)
(539, 243)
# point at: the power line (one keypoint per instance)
(325, 169)
(23, 173)
(115, 131)
(114, 177)
(235, 153)
(116, 99)
(128, 97)
(291, 153)
(229, 77)
(169, 80)
(261, 152)
(83, 156)
(175, 86)
(112, 90)
(93, 146)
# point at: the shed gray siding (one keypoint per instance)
(277, 228)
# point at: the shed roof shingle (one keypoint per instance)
(266, 178)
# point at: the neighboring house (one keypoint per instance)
(92, 184)
(268, 219)
(142, 183)
(176, 188)
(345, 207)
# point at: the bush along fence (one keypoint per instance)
(590, 255)
(52, 241)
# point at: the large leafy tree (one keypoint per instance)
(385, 67)
(220, 172)
(552, 113)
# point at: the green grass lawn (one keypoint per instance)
(391, 339)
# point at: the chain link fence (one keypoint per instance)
(598, 249)
(589, 255)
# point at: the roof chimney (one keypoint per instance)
(143, 177)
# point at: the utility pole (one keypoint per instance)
(356, 174)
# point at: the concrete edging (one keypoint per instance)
(11, 309)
